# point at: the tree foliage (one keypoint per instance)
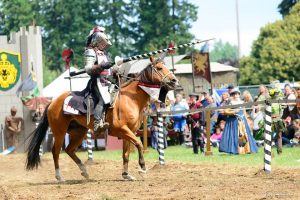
(67, 24)
(160, 22)
(285, 6)
(224, 52)
(16, 13)
(134, 26)
(275, 54)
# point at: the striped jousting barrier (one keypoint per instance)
(119, 60)
(160, 146)
(89, 146)
(268, 138)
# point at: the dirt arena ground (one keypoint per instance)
(173, 181)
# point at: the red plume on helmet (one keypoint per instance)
(97, 29)
(67, 54)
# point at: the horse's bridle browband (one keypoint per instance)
(144, 79)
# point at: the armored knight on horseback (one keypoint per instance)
(97, 65)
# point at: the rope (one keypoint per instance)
(193, 111)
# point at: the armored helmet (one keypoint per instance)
(98, 38)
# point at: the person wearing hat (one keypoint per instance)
(13, 126)
(194, 124)
(278, 125)
(237, 137)
(179, 118)
(205, 94)
(230, 88)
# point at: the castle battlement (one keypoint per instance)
(27, 43)
(15, 36)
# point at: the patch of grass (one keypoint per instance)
(289, 157)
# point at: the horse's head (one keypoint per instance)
(157, 72)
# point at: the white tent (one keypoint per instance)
(60, 84)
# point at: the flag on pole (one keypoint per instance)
(201, 64)
(28, 84)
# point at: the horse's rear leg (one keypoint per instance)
(76, 137)
(55, 153)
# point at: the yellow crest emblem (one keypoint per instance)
(9, 70)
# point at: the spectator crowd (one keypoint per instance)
(235, 131)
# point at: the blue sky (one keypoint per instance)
(217, 19)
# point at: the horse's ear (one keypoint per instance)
(151, 59)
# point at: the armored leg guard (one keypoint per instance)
(99, 124)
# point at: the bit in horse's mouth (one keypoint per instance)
(171, 85)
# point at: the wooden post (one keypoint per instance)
(145, 133)
(208, 147)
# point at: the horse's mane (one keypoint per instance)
(127, 82)
(134, 77)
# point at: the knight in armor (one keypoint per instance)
(98, 66)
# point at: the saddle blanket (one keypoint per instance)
(77, 103)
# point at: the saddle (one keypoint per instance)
(84, 102)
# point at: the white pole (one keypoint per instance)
(160, 145)
(238, 28)
(268, 138)
(89, 146)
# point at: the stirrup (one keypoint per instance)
(100, 125)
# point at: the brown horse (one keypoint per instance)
(124, 119)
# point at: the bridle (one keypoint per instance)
(150, 69)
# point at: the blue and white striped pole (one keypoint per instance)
(268, 138)
(160, 146)
(89, 146)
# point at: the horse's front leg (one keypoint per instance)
(126, 152)
(129, 137)
(142, 164)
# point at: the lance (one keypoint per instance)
(119, 60)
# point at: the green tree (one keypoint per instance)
(275, 54)
(67, 24)
(117, 18)
(160, 22)
(17, 13)
(285, 6)
(223, 52)
(134, 27)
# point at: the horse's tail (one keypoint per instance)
(33, 157)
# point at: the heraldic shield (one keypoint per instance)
(10, 69)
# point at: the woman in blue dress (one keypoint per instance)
(237, 137)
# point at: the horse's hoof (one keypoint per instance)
(85, 175)
(142, 171)
(129, 178)
(60, 179)
(89, 162)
